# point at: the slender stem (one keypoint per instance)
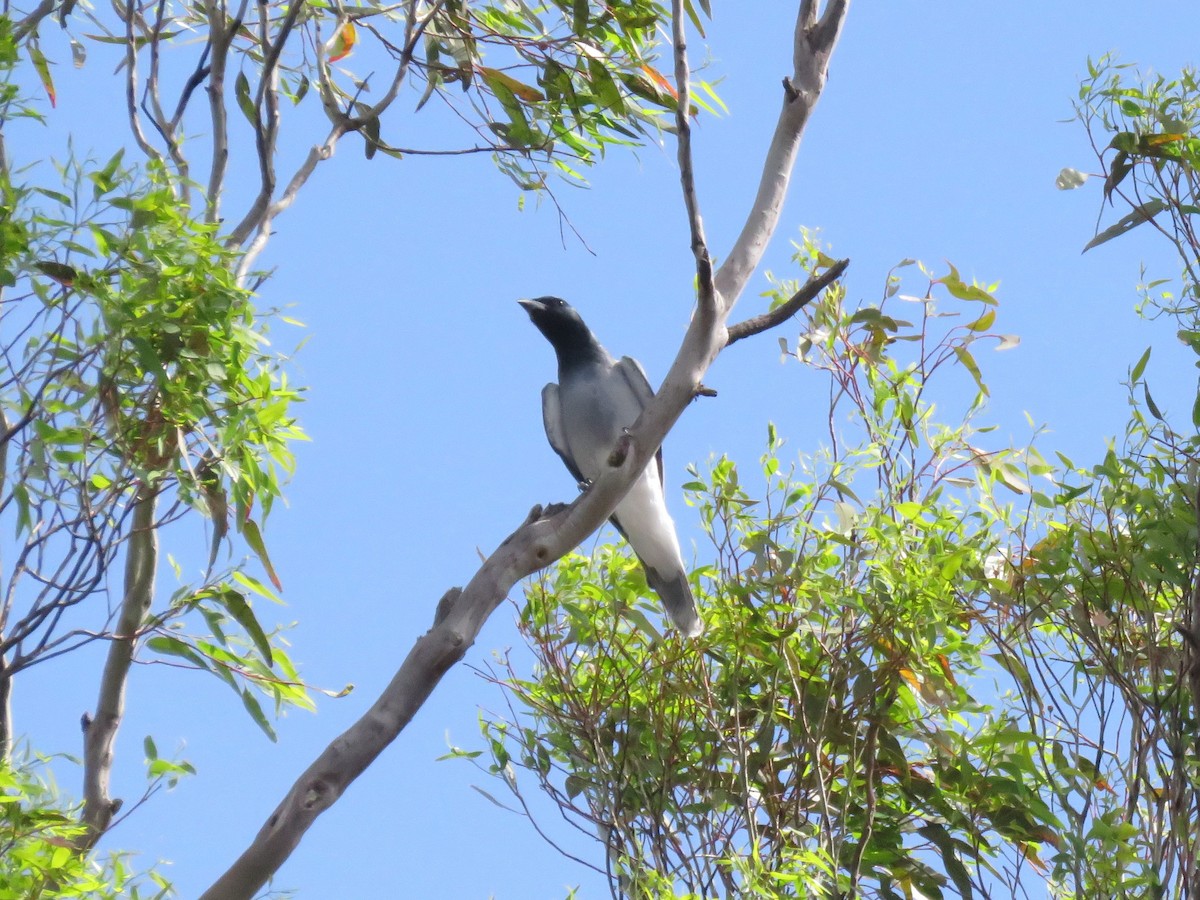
(687, 175)
(141, 563)
(131, 85)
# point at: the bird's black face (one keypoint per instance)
(557, 320)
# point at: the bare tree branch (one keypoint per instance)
(6, 725)
(262, 213)
(141, 563)
(29, 24)
(220, 37)
(813, 47)
(131, 83)
(780, 314)
(545, 536)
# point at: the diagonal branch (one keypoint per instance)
(810, 290)
(815, 40)
(545, 535)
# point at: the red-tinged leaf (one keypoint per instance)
(661, 80)
(42, 67)
(944, 662)
(254, 539)
(342, 42)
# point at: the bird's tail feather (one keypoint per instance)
(677, 598)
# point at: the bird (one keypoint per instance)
(586, 414)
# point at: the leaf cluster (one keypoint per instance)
(827, 736)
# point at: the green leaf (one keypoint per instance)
(241, 90)
(1131, 220)
(169, 646)
(256, 713)
(490, 797)
(255, 585)
(1138, 369)
(968, 361)
(958, 873)
(254, 538)
(150, 749)
(1150, 404)
(244, 616)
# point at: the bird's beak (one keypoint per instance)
(532, 306)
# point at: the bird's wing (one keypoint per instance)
(635, 377)
(555, 433)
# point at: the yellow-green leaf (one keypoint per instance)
(526, 92)
(984, 322)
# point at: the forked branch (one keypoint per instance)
(546, 535)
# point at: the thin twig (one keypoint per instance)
(687, 175)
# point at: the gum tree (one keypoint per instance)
(933, 667)
(139, 386)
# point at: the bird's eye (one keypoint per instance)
(558, 301)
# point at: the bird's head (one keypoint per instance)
(562, 326)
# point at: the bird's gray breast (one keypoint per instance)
(597, 406)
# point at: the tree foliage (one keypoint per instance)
(931, 668)
(138, 383)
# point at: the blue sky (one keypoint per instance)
(938, 138)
